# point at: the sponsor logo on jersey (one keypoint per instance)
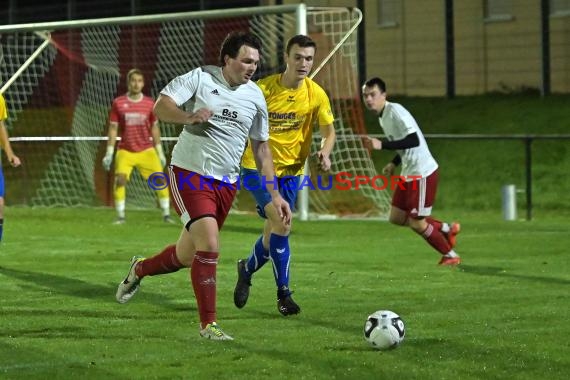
(215, 92)
(282, 115)
(229, 113)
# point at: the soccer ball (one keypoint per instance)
(384, 330)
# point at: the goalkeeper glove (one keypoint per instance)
(161, 155)
(108, 157)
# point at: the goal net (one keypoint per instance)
(59, 80)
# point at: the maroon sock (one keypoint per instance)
(165, 262)
(434, 222)
(203, 275)
(436, 239)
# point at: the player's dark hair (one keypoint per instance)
(234, 41)
(302, 41)
(376, 82)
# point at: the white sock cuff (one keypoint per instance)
(165, 205)
(120, 207)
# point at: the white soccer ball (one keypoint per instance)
(384, 330)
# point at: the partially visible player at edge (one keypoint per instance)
(12, 158)
(295, 102)
(132, 116)
(412, 205)
(225, 108)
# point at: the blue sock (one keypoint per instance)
(258, 257)
(280, 254)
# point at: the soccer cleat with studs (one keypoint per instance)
(214, 332)
(454, 230)
(131, 284)
(450, 261)
(285, 303)
(241, 291)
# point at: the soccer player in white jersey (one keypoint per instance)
(412, 203)
(295, 102)
(222, 109)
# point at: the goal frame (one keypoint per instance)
(300, 12)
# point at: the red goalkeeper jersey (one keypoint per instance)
(135, 119)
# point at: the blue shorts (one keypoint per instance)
(288, 187)
(1, 183)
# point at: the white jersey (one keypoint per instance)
(214, 148)
(397, 122)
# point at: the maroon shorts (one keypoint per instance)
(195, 196)
(416, 197)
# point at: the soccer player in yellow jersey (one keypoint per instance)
(294, 103)
(12, 158)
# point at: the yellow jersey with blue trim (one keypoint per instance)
(292, 114)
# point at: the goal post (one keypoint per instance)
(59, 80)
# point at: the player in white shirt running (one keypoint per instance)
(412, 202)
(222, 109)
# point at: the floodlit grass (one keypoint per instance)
(502, 314)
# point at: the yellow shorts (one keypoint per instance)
(146, 162)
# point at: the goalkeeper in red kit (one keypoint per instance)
(133, 119)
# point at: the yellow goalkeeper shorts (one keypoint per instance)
(146, 162)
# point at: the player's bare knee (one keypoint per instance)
(398, 216)
(277, 225)
(418, 224)
(397, 220)
(209, 244)
(280, 228)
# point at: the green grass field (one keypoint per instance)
(503, 314)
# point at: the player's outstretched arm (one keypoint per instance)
(372, 143)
